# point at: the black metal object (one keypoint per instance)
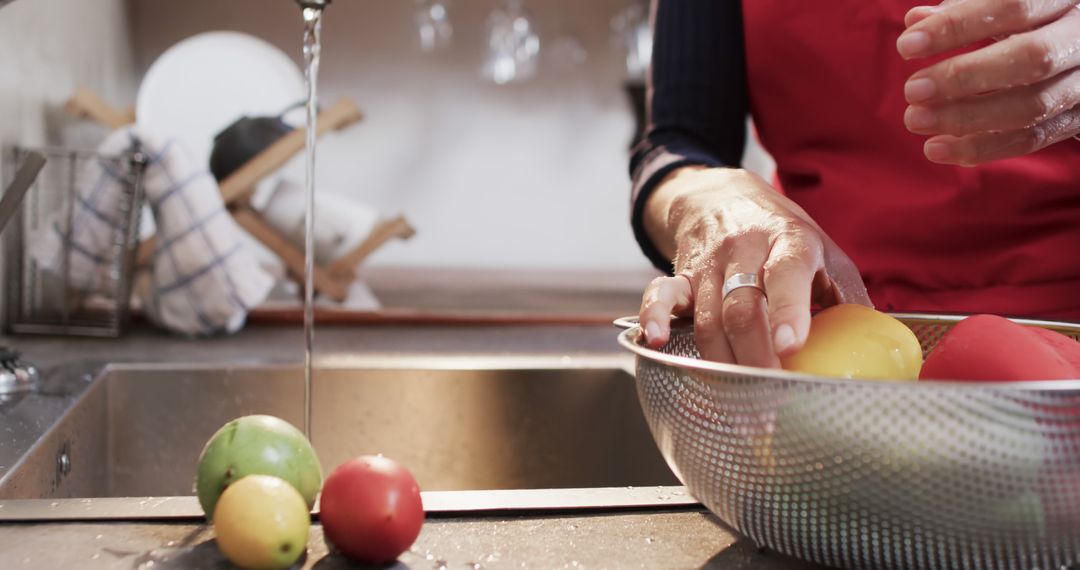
(242, 141)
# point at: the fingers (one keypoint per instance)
(789, 279)
(920, 13)
(735, 328)
(1019, 60)
(1002, 111)
(746, 323)
(709, 333)
(978, 148)
(745, 311)
(958, 24)
(738, 231)
(747, 327)
(1005, 100)
(664, 296)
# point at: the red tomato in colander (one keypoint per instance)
(991, 348)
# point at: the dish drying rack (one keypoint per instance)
(331, 280)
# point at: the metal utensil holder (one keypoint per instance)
(46, 300)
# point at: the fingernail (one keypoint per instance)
(919, 90)
(937, 151)
(911, 44)
(783, 338)
(652, 331)
(920, 118)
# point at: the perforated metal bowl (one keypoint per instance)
(871, 474)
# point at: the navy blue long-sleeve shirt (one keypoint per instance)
(697, 99)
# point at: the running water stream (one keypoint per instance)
(312, 47)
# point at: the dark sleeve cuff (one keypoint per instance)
(647, 170)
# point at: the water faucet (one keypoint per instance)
(318, 4)
(16, 376)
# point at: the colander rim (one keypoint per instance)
(630, 339)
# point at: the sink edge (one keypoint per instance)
(474, 503)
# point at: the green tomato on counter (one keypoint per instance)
(257, 445)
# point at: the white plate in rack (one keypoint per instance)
(201, 85)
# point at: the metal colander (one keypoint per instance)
(872, 474)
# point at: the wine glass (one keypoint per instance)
(566, 51)
(632, 32)
(513, 44)
(433, 24)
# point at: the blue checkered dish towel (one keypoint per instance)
(204, 279)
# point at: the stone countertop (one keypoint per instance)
(653, 539)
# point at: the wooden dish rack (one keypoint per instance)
(331, 280)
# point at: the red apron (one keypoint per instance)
(826, 92)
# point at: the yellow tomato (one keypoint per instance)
(262, 522)
(854, 341)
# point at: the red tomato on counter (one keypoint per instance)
(989, 348)
(371, 509)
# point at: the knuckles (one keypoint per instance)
(952, 29)
(750, 237)
(651, 296)
(1038, 58)
(1047, 133)
(1033, 57)
(1017, 14)
(1050, 131)
(741, 312)
(957, 76)
(708, 327)
(796, 257)
(1038, 137)
(1042, 105)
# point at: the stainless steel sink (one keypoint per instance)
(456, 423)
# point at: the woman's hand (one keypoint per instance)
(716, 223)
(1008, 99)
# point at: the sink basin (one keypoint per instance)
(457, 424)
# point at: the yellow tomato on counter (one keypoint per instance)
(262, 523)
(855, 341)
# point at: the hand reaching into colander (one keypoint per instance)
(1010, 98)
(729, 226)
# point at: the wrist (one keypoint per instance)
(675, 202)
(657, 220)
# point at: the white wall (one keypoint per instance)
(47, 47)
(531, 175)
(523, 176)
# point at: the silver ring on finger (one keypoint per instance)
(740, 280)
